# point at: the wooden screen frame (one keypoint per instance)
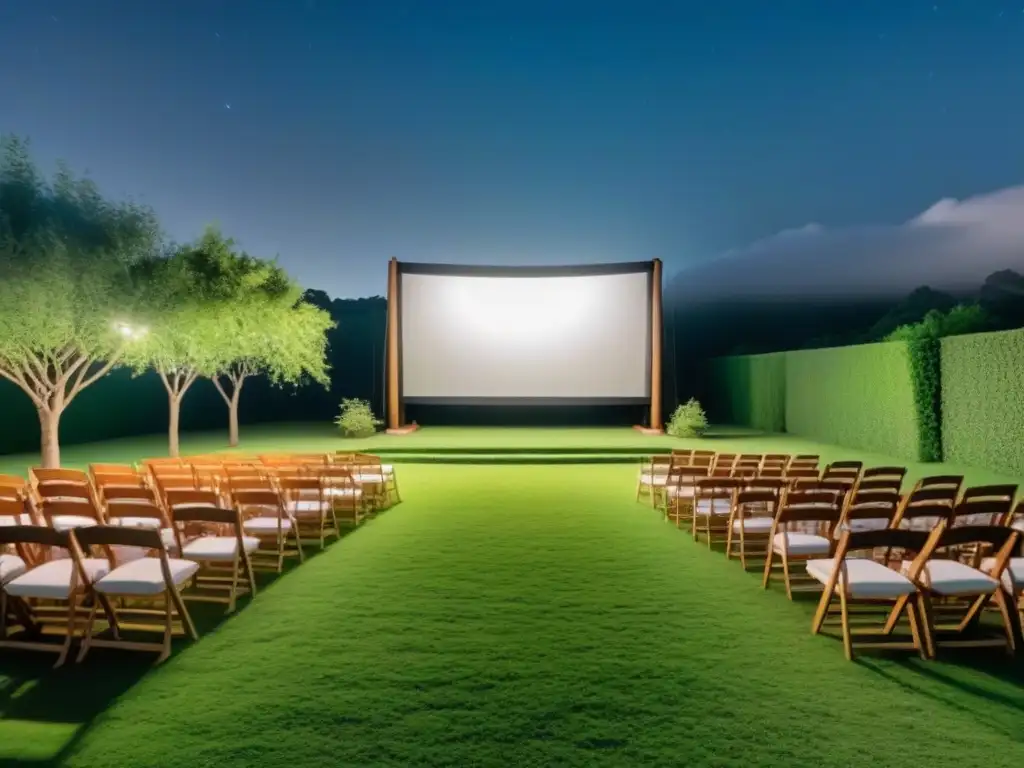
(395, 411)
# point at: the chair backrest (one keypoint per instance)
(989, 493)
(111, 541)
(981, 512)
(879, 484)
(809, 506)
(876, 473)
(796, 473)
(14, 507)
(13, 486)
(63, 490)
(775, 485)
(190, 521)
(51, 508)
(140, 508)
(41, 475)
(912, 543)
(758, 502)
(299, 484)
(255, 498)
(930, 513)
(873, 505)
(177, 497)
(719, 487)
(119, 493)
(27, 539)
(940, 481)
(724, 460)
(998, 542)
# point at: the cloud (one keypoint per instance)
(953, 245)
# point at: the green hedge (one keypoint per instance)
(750, 391)
(983, 400)
(926, 378)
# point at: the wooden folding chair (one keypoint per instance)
(45, 595)
(309, 506)
(264, 517)
(213, 537)
(802, 531)
(777, 459)
(713, 507)
(868, 510)
(862, 580)
(998, 499)
(143, 594)
(680, 489)
(653, 476)
(797, 474)
(345, 494)
(892, 474)
(752, 519)
(969, 587)
(924, 508)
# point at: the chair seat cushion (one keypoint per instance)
(266, 525)
(1018, 525)
(145, 576)
(753, 524)
(151, 523)
(716, 507)
(653, 479)
(800, 543)
(306, 508)
(1013, 576)
(680, 491)
(218, 548)
(68, 522)
(11, 567)
(348, 491)
(52, 580)
(369, 478)
(951, 578)
(12, 520)
(387, 469)
(867, 579)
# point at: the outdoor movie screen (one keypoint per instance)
(504, 336)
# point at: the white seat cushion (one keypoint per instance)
(219, 548)
(145, 576)
(68, 522)
(151, 523)
(343, 492)
(11, 567)
(19, 520)
(800, 543)
(867, 579)
(371, 478)
(716, 507)
(753, 524)
(387, 469)
(266, 525)
(52, 580)
(950, 577)
(1013, 576)
(680, 491)
(656, 479)
(306, 508)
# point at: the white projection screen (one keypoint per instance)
(525, 336)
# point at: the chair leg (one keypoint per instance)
(847, 632)
(89, 631)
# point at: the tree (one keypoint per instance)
(277, 334)
(192, 295)
(67, 292)
(1002, 296)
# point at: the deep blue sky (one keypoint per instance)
(533, 131)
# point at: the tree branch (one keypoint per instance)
(19, 379)
(220, 387)
(82, 380)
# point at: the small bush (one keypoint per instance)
(689, 420)
(356, 419)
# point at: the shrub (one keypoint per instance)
(689, 420)
(356, 419)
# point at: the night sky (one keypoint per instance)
(339, 134)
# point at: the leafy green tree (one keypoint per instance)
(278, 335)
(67, 289)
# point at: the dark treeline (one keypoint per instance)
(696, 334)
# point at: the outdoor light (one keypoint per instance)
(131, 331)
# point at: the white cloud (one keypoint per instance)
(952, 245)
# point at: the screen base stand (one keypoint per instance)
(406, 429)
(648, 430)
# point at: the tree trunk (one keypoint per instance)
(49, 442)
(233, 417)
(173, 447)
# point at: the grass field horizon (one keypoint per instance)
(508, 615)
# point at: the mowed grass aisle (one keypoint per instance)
(537, 616)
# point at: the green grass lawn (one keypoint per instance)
(520, 616)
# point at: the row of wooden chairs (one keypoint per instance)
(232, 518)
(936, 531)
(94, 583)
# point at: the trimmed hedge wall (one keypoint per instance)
(750, 390)
(983, 400)
(860, 397)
